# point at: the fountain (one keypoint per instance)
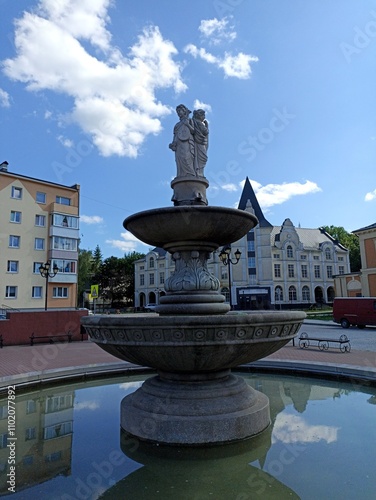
(195, 340)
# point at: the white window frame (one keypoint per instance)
(42, 218)
(15, 190)
(9, 295)
(39, 240)
(60, 289)
(9, 266)
(11, 236)
(14, 215)
(40, 194)
(63, 200)
(34, 295)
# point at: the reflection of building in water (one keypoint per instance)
(44, 431)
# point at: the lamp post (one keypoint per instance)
(46, 273)
(225, 256)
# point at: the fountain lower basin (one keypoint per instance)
(194, 399)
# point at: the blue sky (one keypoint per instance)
(88, 90)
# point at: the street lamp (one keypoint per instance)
(46, 273)
(225, 256)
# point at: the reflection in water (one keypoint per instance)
(68, 447)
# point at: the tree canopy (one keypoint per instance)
(349, 241)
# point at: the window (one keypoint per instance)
(304, 271)
(151, 279)
(224, 274)
(292, 293)
(14, 241)
(151, 262)
(40, 220)
(226, 293)
(277, 270)
(142, 268)
(252, 262)
(290, 253)
(341, 269)
(40, 197)
(276, 255)
(57, 430)
(64, 266)
(36, 266)
(60, 292)
(316, 257)
(60, 243)
(30, 433)
(161, 278)
(278, 294)
(39, 244)
(65, 221)
(31, 406)
(11, 292)
(303, 257)
(12, 266)
(58, 403)
(62, 200)
(291, 271)
(305, 294)
(15, 216)
(340, 259)
(317, 271)
(251, 245)
(329, 271)
(16, 193)
(328, 254)
(36, 292)
(142, 280)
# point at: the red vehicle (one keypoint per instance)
(359, 311)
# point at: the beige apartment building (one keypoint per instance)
(280, 267)
(39, 223)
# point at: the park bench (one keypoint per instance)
(51, 338)
(324, 343)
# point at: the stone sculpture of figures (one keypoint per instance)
(190, 142)
(201, 132)
(183, 143)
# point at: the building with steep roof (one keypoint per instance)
(280, 266)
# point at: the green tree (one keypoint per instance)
(349, 241)
(85, 271)
(115, 277)
(97, 259)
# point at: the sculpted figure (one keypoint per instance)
(183, 143)
(201, 132)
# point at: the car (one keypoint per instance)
(150, 307)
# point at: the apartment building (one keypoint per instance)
(279, 267)
(39, 223)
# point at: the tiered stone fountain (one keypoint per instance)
(195, 340)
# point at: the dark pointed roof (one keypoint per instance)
(249, 194)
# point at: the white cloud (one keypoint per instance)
(238, 66)
(91, 219)
(4, 99)
(68, 143)
(217, 30)
(129, 243)
(370, 196)
(294, 429)
(229, 187)
(275, 194)
(201, 105)
(113, 95)
(86, 405)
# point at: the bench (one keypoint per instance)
(51, 338)
(323, 343)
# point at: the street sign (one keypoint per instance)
(94, 291)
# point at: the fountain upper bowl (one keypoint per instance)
(201, 225)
